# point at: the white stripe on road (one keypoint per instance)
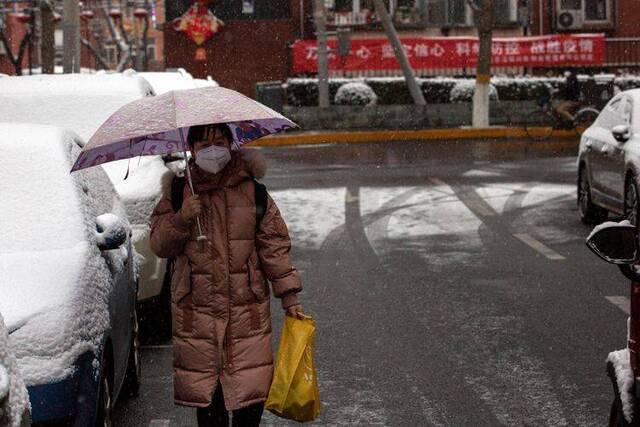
(538, 246)
(622, 303)
(159, 423)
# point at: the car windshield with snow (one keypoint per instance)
(67, 277)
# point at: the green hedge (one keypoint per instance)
(393, 90)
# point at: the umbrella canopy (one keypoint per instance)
(155, 125)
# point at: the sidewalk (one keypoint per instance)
(329, 137)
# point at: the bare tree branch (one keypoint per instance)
(7, 47)
(472, 4)
(102, 62)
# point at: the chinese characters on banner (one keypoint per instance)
(456, 52)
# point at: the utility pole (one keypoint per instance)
(401, 55)
(48, 44)
(484, 17)
(319, 17)
(71, 36)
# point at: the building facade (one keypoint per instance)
(252, 45)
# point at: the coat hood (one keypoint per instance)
(247, 163)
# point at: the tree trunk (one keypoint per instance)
(484, 22)
(323, 62)
(401, 55)
(48, 46)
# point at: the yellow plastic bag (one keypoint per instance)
(294, 391)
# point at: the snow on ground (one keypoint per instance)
(12, 387)
(547, 191)
(55, 282)
(455, 234)
(373, 199)
(624, 379)
(311, 214)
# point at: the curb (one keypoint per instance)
(319, 137)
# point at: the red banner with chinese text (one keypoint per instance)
(456, 52)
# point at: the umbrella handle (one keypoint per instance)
(201, 238)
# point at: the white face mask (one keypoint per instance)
(213, 158)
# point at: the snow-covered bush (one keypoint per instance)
(627, 82)
(357, 94)
(438, 90)
(464, 89)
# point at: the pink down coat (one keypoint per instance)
(219, 291)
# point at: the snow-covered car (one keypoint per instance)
(82, 103)
(165, 81)
(14, 399)
(609, 161)
(67, 279)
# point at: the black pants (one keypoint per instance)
(216, 415)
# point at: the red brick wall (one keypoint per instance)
(14, 32)
(244, 53)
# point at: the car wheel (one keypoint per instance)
(589, 213)
(631, 202)
(105, 398)
(132, 378)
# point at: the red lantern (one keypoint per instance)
(115, 13)
(201, 54)
(23, 18)
(140, 13)
(87, 15)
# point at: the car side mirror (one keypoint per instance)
(621, 133)
(111, 231)
(616, 243)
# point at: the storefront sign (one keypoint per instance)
(456, 52)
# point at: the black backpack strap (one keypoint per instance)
(177, 192)
(262, 199)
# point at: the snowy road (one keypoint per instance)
(450, 283)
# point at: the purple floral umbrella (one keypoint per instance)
(156, 125)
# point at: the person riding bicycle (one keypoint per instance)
(569, 97)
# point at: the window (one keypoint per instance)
(248, 7)
(596, 10)
(448, 12)
(506, 11)
(234, 9)
(111, 54)
(151, 51)
(571, 4)
(359, 12)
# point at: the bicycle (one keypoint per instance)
(541, 123)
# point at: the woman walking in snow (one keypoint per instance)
(223, 360)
